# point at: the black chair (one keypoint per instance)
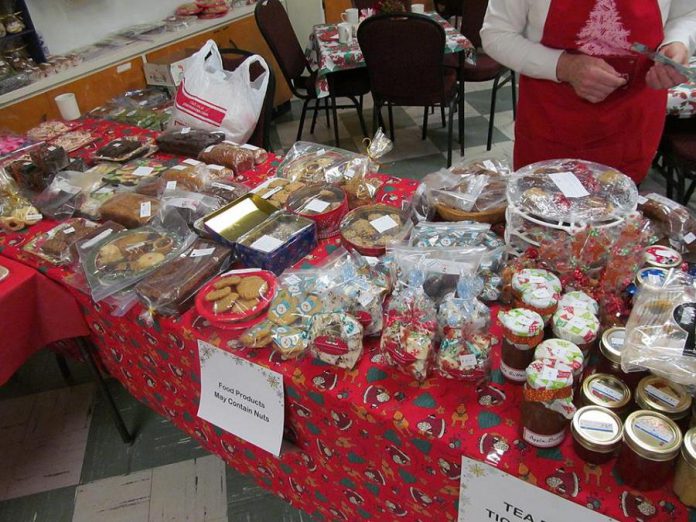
(448, 9)
(231, 59)
(486, 68)
(274, 24)
(678, 154)
(368, 4)
(404, 54)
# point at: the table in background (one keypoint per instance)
(327, 55)
(681, 100)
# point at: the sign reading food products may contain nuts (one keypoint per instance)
(489, 494)
(241, 397)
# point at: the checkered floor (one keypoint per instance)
(61, 456)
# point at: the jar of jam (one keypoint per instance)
(685, 476)
(610, 348)
(658, 256)
(596, 434)
(564, 351)
(547, 404)
(577, 325)
(651, 443)
(671, 399)
(651, 277)
(523, 330)
(607, 391)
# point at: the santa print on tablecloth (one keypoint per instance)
(604, 33)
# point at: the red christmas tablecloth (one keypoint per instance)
(34, 312)
(389, 447)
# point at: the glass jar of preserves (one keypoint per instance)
(658, 256)
(651, 443)
(577, 325)
(685, 476)
(610, 348)
(596, 434)
(607, 391)
(564, 351)
(523, 330)
(547, 404)
(671, 399)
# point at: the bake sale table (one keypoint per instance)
(390, 447)
(327, 55)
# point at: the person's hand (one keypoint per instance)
(661, 76)
(593, 79)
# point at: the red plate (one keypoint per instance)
(238, 327)
(205, 308)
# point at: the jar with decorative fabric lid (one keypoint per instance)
(577, 325)
(523, 330)
(547, 404)
(564, 351)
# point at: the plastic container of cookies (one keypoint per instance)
(369, 229)
(325, 205)
(277, 243)
(238, 296)
(308, 162)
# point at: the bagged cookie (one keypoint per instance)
(336, 339)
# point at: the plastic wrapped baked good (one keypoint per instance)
(120, 260)
(170, 289)
(130, 209)
(369, 229)
(28, 176)
(49, 158)
(189, 175)
(56, 245)
(16, 212)
(336, 339)
(190, 205)
(277, 190)
(10, 143)
(312, 163)
(186, 141)
(225, 190)
(73, 140)
(124, 149)
(410, 329)
(674, 220)
(66, 194)
(149, 97)
(230, 155)
(134, 172)
(277, 243)
(325, 205)
(572, 191)
(464, 323)
(48, 130)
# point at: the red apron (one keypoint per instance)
(622, 131)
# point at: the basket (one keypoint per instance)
(492, 216)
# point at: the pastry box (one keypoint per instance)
(277, 243)
(325, 205)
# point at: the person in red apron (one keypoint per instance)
(583, 92)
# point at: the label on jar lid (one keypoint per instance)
(468, 361)
(689, 238)
(201, 252)
(267, 244)
(655, 429)
(489, 164)
(69, 230)
(661, 396)
(548, 374)
(569, 184)
(605, 391)
(191, 161)
(96, 239)
(596, 425)
(383, 223)
(317, 205)
(143, 171)
(145, 209)
(171, 185)
(271, 192)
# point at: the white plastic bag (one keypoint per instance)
(211, 98)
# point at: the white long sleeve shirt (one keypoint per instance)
(512, 31)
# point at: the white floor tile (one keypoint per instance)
(409, 145)
(125, 498)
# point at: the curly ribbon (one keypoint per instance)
(533, 395)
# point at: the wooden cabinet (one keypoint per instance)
(97, 88)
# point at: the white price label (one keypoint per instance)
(51, 148)
(489, 165)
(468, 361)
(642, 200)
(229, 142)
(383, 224)
(117, 145)
(689, 238)
(188, 203)
(185, 130)
(597, 425)
(267, 244)
(171, 185)
(569, 184)
(135, 246)
(96, 239)
(293, 279)
(549, 374)
(661, 396)
(179, 167)
(143, 171)
(105, 190)
(249, 147)
(69, 230)
(271, 192)
(317, 205)
(145, 209)
(605, 391)
(216, 167)
(201, 252)
(208, 148)
(222, 186)
(191, 161)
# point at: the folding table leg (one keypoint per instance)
(64, 369)
(314, 116)
(86, 350)
(425, 123)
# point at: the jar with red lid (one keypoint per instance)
(610, 348)
(650, 446)
(577, 325)
(671, 399)
(596, 434)
(547, 404)
(523, 330)
(607, 391)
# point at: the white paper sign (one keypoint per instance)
(488, 494)
(317, 205)
(569, 184)
(241, 397)
(143, 171)
(384, 223)
(266, 244)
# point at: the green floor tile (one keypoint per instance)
(481, 100)
(475, 134)
(51, 506)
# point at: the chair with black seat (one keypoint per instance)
(678, 151)
(275, 26)
(233, 58)
(404, 54)
(486, 68)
